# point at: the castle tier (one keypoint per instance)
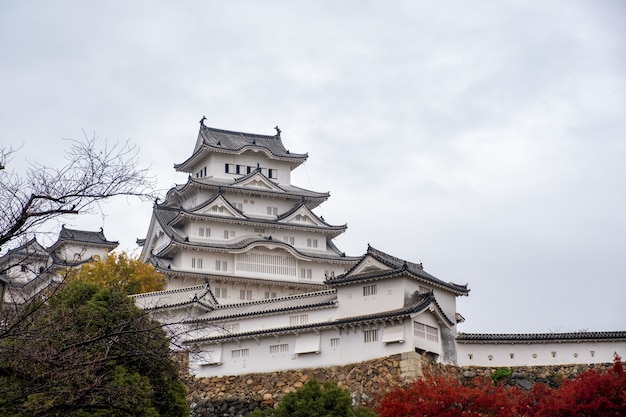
(239, 224)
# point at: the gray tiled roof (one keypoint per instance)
(30, 249)
(165, 216)
(235, 141)
(327, 229)
(178, 297)
(83, 237)
(319, 299)
(287, 191)
(397, 266)
(419, 304)
(219, 140)
(539, 337)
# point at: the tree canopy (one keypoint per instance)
(88, 351)
(316, 400)
(122, 273)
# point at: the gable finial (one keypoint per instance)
(202, 120)
(277, 131)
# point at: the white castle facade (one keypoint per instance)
(31, 269)
(256, 284)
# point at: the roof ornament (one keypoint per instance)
(277, 131)
(202, 121)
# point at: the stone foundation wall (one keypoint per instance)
(237, 396)
(526, 376)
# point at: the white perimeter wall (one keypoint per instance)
(529, 354)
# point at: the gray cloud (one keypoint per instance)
(486, 140)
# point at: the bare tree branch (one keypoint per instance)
(94, 171)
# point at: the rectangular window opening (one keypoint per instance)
(370, 336)
(369, 290)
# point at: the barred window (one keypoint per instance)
(369, 290)
(240, 353)
(425, 331)
(282, 348)
(299, 319)
(370, 335)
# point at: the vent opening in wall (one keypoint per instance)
(429, 357)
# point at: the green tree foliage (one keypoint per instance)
(316, 400)
(88, 351)
(122, 273)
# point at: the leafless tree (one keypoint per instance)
(93, 171)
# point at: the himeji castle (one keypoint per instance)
(32, 269)
(255, 282)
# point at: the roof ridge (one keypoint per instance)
(235, 132)
(173, 291)
(274, 300)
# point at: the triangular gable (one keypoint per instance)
(303, 216)
(220, 207)
(30, 249)
(368, 265)
(434, 312)
(259, 181)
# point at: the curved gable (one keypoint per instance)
(258, 180)
(302, 216)
(368, 265)
(219, 206)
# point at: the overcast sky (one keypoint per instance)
(484, 139)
